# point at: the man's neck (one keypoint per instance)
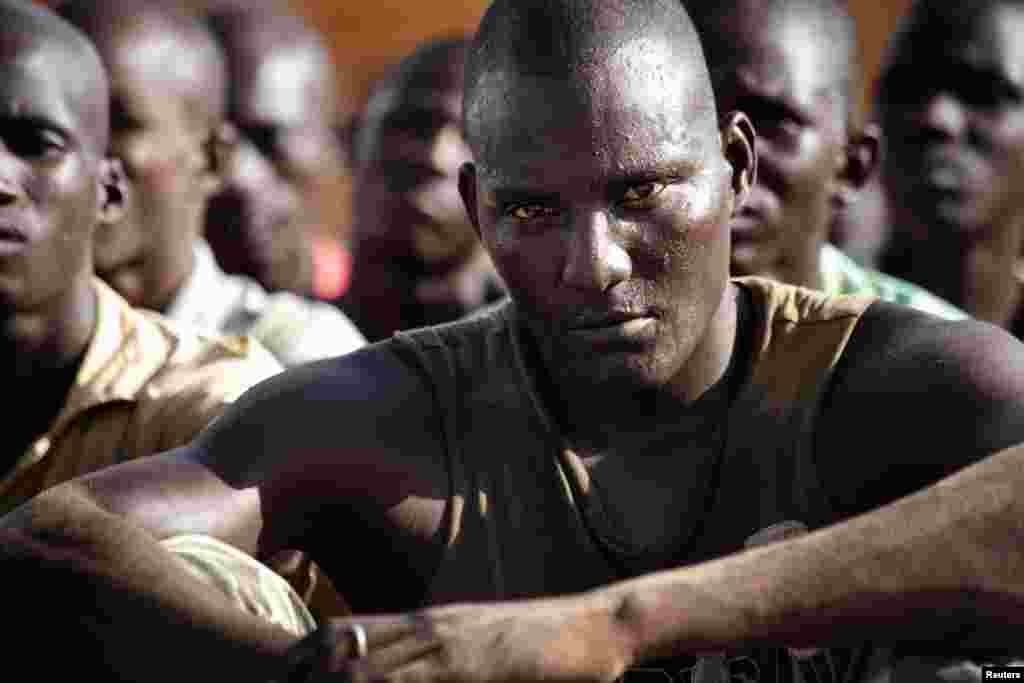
(42, 350)
(803, 268)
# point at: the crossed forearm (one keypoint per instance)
(941, 567)
(81, 574)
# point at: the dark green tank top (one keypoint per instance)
(523, 520)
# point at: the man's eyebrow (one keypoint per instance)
(37, 120)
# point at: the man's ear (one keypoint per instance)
(114, 192)
(860, 162)
(467, 190)
(738, 146)
(219, 152)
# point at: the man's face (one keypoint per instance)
(952, 99)
(604, 202)
(410, 223)
(147, 256)
(49, 192)
(778, 73)
(273, 196)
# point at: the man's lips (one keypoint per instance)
(607, 319)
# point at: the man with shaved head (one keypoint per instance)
(277, 219)
(793, 67)
(168, 129)
(570, 485)
(93, 381)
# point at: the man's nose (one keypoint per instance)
(942, 113)
(595, 258)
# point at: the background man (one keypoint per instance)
(282, 98)
(93, 381)
(951, 99)
(168, 128)
(418, 260)
(793, 67)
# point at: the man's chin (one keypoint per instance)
(625, 370)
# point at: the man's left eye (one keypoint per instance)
(638, 194)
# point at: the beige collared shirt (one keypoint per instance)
(146, 384)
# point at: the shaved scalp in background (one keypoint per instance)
(436, 66)
(198, 61)
(249, 33)
(562, 40)
(830, 20)
(28, 27)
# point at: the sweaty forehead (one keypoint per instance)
(641, 106)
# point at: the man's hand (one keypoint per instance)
(568, 639)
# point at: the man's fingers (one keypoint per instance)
(333, 646)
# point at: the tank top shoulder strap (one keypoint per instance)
(768, 473)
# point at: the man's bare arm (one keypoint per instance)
(87, 581)
(941, 568)
(255, 479)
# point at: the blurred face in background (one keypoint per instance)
(779, 68)
(952, 106)
(416, 253)
(284, 191)
(163, 134)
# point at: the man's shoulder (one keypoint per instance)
(194, 356)
(779, 302)
(936, 395)
(371, 403)
(170, 379)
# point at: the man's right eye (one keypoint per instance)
(529, 212)
(36, 144)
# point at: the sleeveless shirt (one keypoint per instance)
(522, 519)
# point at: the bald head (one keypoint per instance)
(824, 28)
(264, 45)
(27, 31)
(434, 65)
(571, 41)
(162, 39)
(424, 89)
